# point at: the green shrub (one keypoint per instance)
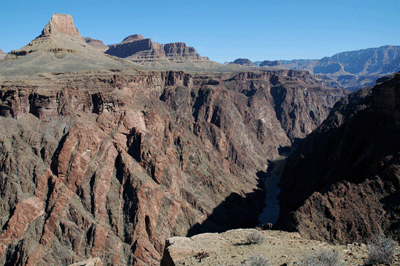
(381, 251)
(322, 258)
(256, 260)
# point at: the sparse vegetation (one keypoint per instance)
(322, 258)
(255, 237)
(381, 251)
(256, 260)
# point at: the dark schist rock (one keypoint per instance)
(110, 164)
(341, 184)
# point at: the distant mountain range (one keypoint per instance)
(353, 69)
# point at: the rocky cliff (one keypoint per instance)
(137, 48)
(341, 185)
(109, 164)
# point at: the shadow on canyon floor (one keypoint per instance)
(235, 211)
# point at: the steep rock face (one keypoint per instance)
(136, 48)
(341, 184)
(60, 23)
(109, 164)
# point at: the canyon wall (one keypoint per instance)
(342, 183)
(109, 164)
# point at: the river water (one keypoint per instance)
(271, 212)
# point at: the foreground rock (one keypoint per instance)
(229, 248)
(341, 185)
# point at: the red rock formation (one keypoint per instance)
(136, 48)
(342, 183)
(110, 164)
(60, 23)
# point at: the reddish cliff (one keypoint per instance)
(136, 48)
(109, 164)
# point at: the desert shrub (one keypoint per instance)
(257, 260)
(381, 251)
(255, 237)
(322, 258)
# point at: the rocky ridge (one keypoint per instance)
(341, 184)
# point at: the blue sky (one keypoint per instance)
(222, 30)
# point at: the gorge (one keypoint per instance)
(106, 157)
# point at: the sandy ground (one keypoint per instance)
(280, 248)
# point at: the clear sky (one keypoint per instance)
(222, 30)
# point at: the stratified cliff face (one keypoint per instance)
(138, 49)
(342, 183)
(109, 164)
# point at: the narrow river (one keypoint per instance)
(271, 212)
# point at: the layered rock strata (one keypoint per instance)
(109, 164)
(136, 48)
(341, 185)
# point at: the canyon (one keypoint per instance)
(341, 185)
(102, 157)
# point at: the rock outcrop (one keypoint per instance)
(60, 23)
(138, 49)
(109, 164)
(341, 184)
